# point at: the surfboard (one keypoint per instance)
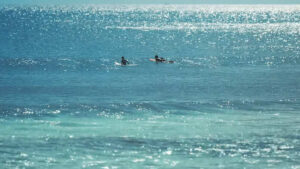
(119, 64)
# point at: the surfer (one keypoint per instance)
(124, 61)
(157, 59)
(161, 60)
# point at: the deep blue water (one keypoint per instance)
(230, 100)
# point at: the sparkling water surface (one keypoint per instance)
(230, 100)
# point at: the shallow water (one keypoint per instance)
(230, 100)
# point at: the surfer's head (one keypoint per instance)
(156, 56)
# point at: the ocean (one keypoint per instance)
(231, 99)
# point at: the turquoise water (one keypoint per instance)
(230, 100)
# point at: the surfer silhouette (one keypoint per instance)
(124, 61)
(157, 59)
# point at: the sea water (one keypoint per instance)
(231, 99)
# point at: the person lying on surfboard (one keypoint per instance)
(157, 59)
(161, 60)
(124, 61)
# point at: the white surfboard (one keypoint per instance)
(119, 64)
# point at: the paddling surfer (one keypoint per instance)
(124, 61)
(157, 59)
